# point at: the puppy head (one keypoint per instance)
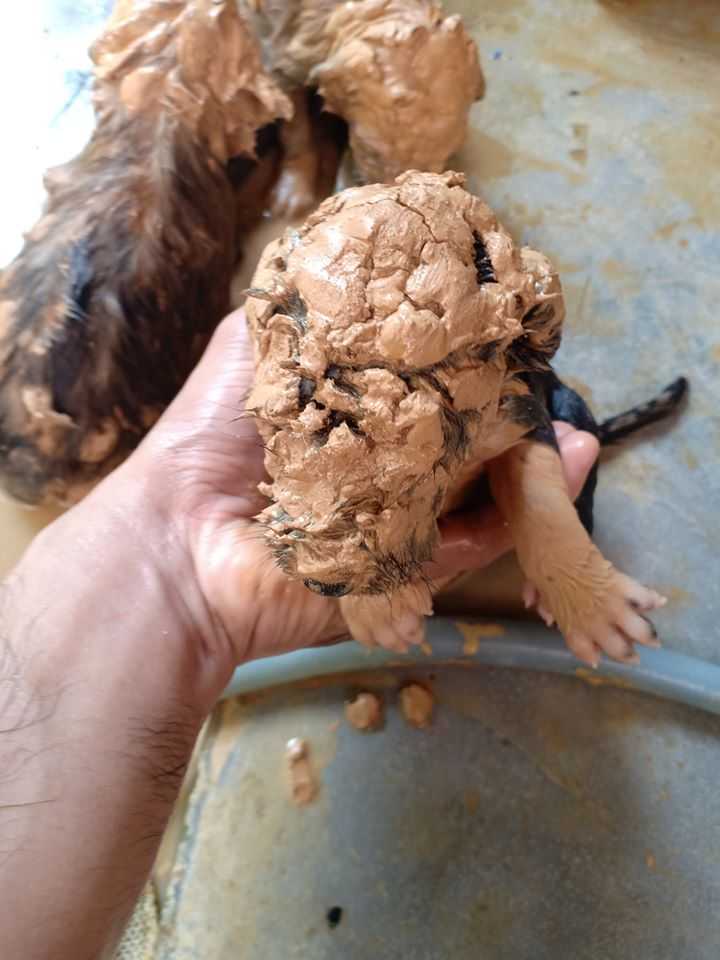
(404, 77)
(381, 330)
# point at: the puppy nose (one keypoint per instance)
(327, 589)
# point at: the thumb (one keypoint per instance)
(474, 540)
(225, 372)
(206, 443)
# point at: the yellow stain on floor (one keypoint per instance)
(473, 633)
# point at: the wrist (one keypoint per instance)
(110, 589)
(106, 676)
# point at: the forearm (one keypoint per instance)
(104, 685)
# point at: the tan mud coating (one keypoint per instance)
(375, 348)
(399, 72)
(417, 704)
(364, 712)
(303, 782)
(389, 361)
(192, 60)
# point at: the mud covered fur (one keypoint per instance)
(401, 73)
(389, 363)
(118, 286)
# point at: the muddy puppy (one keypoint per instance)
(401, 74)
(119, 285)
(403, 347)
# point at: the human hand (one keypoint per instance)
(203, 461)
(119, 629)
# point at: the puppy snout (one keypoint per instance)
(327, 589)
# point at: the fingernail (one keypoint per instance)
(562, 429)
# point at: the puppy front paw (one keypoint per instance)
(395, 622)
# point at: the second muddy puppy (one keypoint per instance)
(400, 73)
(403, 347)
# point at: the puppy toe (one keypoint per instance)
(639, 629)
(584, 648)
(640, 597)
(615, 644)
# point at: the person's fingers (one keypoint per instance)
(475, 539)
(261, 611)
(215, 393)
(579, 451)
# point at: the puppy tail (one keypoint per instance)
(617, 428)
